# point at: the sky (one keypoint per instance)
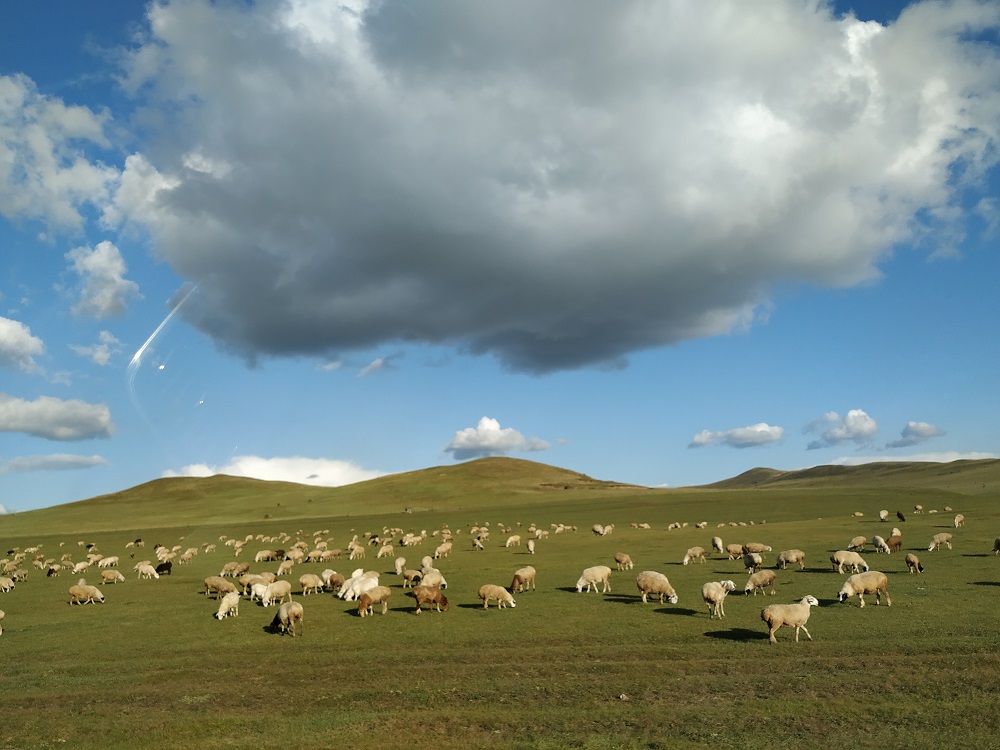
(656, 243)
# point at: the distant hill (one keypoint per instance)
(964, 477)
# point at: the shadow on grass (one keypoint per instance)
(678, 611)
(978, 554)
(985, 583)
(737, 634)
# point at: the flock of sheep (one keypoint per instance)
(236, 583)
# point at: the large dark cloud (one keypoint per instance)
(555, 185)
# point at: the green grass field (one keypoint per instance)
(152, 668)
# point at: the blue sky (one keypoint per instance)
(655, 243)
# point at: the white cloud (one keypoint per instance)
(101, 352)
(938, 457)
(856, 427)
(915, 433)
(45, 173)
(55, 419)
(18, 348)
(3, 510)
(489, 439)
(105, 292)
(338, 177)
(53, 462)
(330, 366)
(379, 363)
(320, 472)
(741, 437)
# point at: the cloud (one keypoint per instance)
(336, 176)
(915, 433)
(18, 348)
(45, 173)
(53, 462)
(99, 353)
(489, 439)
(741, 437)
(4, 510)
(55, 419)
(106, 291)
(320, 472)
(856, 427)
(938, 457)
(379, 363)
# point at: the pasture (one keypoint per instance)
(151, 667)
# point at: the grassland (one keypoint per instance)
(152, 668)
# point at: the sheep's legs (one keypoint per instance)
(803, 627)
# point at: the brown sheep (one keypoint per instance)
(377, 595)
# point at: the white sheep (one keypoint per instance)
(695, 553)
(717, 545)
(489, 591)
(840, 558)
(147, 571)
(857, 544)
(274, 593)
(760, 580)
(531, 546)
(6, 584)
(108, 562)
(651, 582)
(83, 593)
(880, 546)
(229, 606)
(959, 520)
(870, 582)
(714, 593)
(593, 576)
(883, 515)
(514, 540)
(311, 584)
(433, 577)
(734, 551)
(524, 578)
(368, 600)
(443, 550)
(400, 565)
(913, 564)
(112, 576)
(790, 615)
(755, 547)
(938, 539)
(623, 561)
(289, 618)
(790, 557)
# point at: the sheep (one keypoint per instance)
(489, 591)
(597, 529)
(752, 561)
(275, 593)
(901, 517)
(147, 571)
(651, 582)
(913, 564)
(83, 593)
(111, 576)
(430, 596)
(433, 577)
(444, 550)
(870, 582)
(332, 580)
(883, 515)
(514, 540)
(108, 562)
(695, 553)
(840, 558)
(893, 543)
(524, 578)
(288, 619)
(285, 567)
(760, 580)
(791, 556)
(358, 584)
(714, 593)
(80, 567)
(593, 576)
(938, 539)
(411, 577)
(6, 584)
(164, 568)
(229, 606)
(734, 551)
(790, 615)
(959, 520)
(623, 561)
(531, 546)
(717, 545)
(880, 546)
(996, 546)
(311, 584)
(376, 595)
(755, 547)
(857, 544)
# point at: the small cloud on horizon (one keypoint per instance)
(740, 437)
(855, 427)
(915, 433)
(319, 472)
(489, 439)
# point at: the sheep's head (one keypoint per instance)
(811, 600)
(844, 594)
(672, 599)
(728, 585)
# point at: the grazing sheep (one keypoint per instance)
(524, 578)
(360, 582)
(913, 564)
(790, 615)
(275, 593)
(229, 606)
(959, 520)
(880, 546)
(597, 529)
(717, 545)
(857, 544)
(623, 561)
(411, 577)
(695, 553)
(752, 561)
(489, 591)
(111, 576)
(938, 539)
(108, 562)
(651, 582)
(791, 556)
(433, 577)
(430, 596)
(399, 564)
(514, 540)
(760, 580)
(593, 576)
(996, 546)
(147, 571)
(755, 547)
(840, 558)
(288, 618)
(734, 551)
(893, 543)
(311, 584)
(332, 580)
(368, 600)
(443, 550)
(871, 582)
(714, 593)
(901, 517)
(83, 593)
(164, 568)
(883, 515)
(531, 546)
(6, 584)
